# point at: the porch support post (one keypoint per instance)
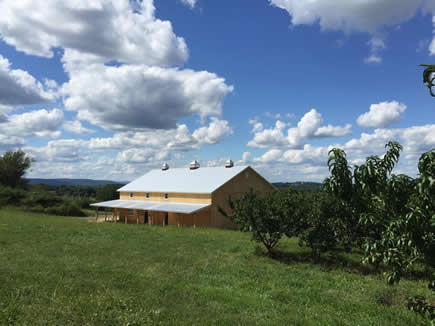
(116, 214)
(137, 216)
(105, 214)
(96, 213)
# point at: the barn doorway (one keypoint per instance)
(145, 219)
(166, 218)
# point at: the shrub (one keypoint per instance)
(11, 196)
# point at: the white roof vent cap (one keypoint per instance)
(165, 166)
(229, 164)
(194, 165)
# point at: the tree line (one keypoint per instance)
(58, 200)
(389, 217)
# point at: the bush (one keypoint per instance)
(66, 209)
(10, 196)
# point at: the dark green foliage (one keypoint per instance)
(43, 201)
(13, 167)
(396, 214)
(11, 196)
(108, 192)
(299, 185)
(321, 226)
(268, 217)
(429, 78)
(68, 208)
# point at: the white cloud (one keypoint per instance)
(354, 16)
(373, 58)
(135, 155)
(139, 97)
(382, 114)
(19, 88)
(76, 127)
(432, 44)
(270, 155)
(10, 142)
(213, 133)
(123, 30)
(190, 3)
(376, 44)
(39, 123)
(362, 16)
(62, 150)
(177, 139)
(310, 126)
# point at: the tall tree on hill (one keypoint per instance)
(13, 167)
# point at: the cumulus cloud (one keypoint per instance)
(10, 142)
(123, 30)
(76, 127)
(310, 162)
(39, 123)
(361, 16)
(138, 96)
(143, 155)
(213, 133)
(177, 139)
(62, 150)
(354, 16)
(310, 126)
(382, 114)
(19, 88)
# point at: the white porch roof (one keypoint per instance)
(185, 208)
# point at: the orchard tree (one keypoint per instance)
(268, 217)
(13, 167)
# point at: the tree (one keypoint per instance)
(268, 217)
(429, 78)
(108, 192)
(13, 167)
(322, 228)
(396, 213)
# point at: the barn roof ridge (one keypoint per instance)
(183, 180)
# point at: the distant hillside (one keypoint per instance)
(299, 185)
(72, 182)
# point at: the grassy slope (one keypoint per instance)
(56, 270)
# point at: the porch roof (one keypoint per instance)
(185, 208)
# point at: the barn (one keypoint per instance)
(183, 196)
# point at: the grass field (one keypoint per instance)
(63, 271)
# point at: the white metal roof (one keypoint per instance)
(203, 180)
(153, 206)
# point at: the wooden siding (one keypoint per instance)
(236, 187)
(172, 197)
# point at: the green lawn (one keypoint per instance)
(63, 271)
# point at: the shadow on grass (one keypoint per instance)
(336, 260)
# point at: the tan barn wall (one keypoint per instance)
(172, 197)
(236, 187)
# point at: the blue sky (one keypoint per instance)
(110, 90)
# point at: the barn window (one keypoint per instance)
(166, 196)
(130, 212)
(131, 195)
(147, 195)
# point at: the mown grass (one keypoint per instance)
(63, 271)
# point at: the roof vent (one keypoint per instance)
(229, 164)
(165, 166)
(194, 165)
